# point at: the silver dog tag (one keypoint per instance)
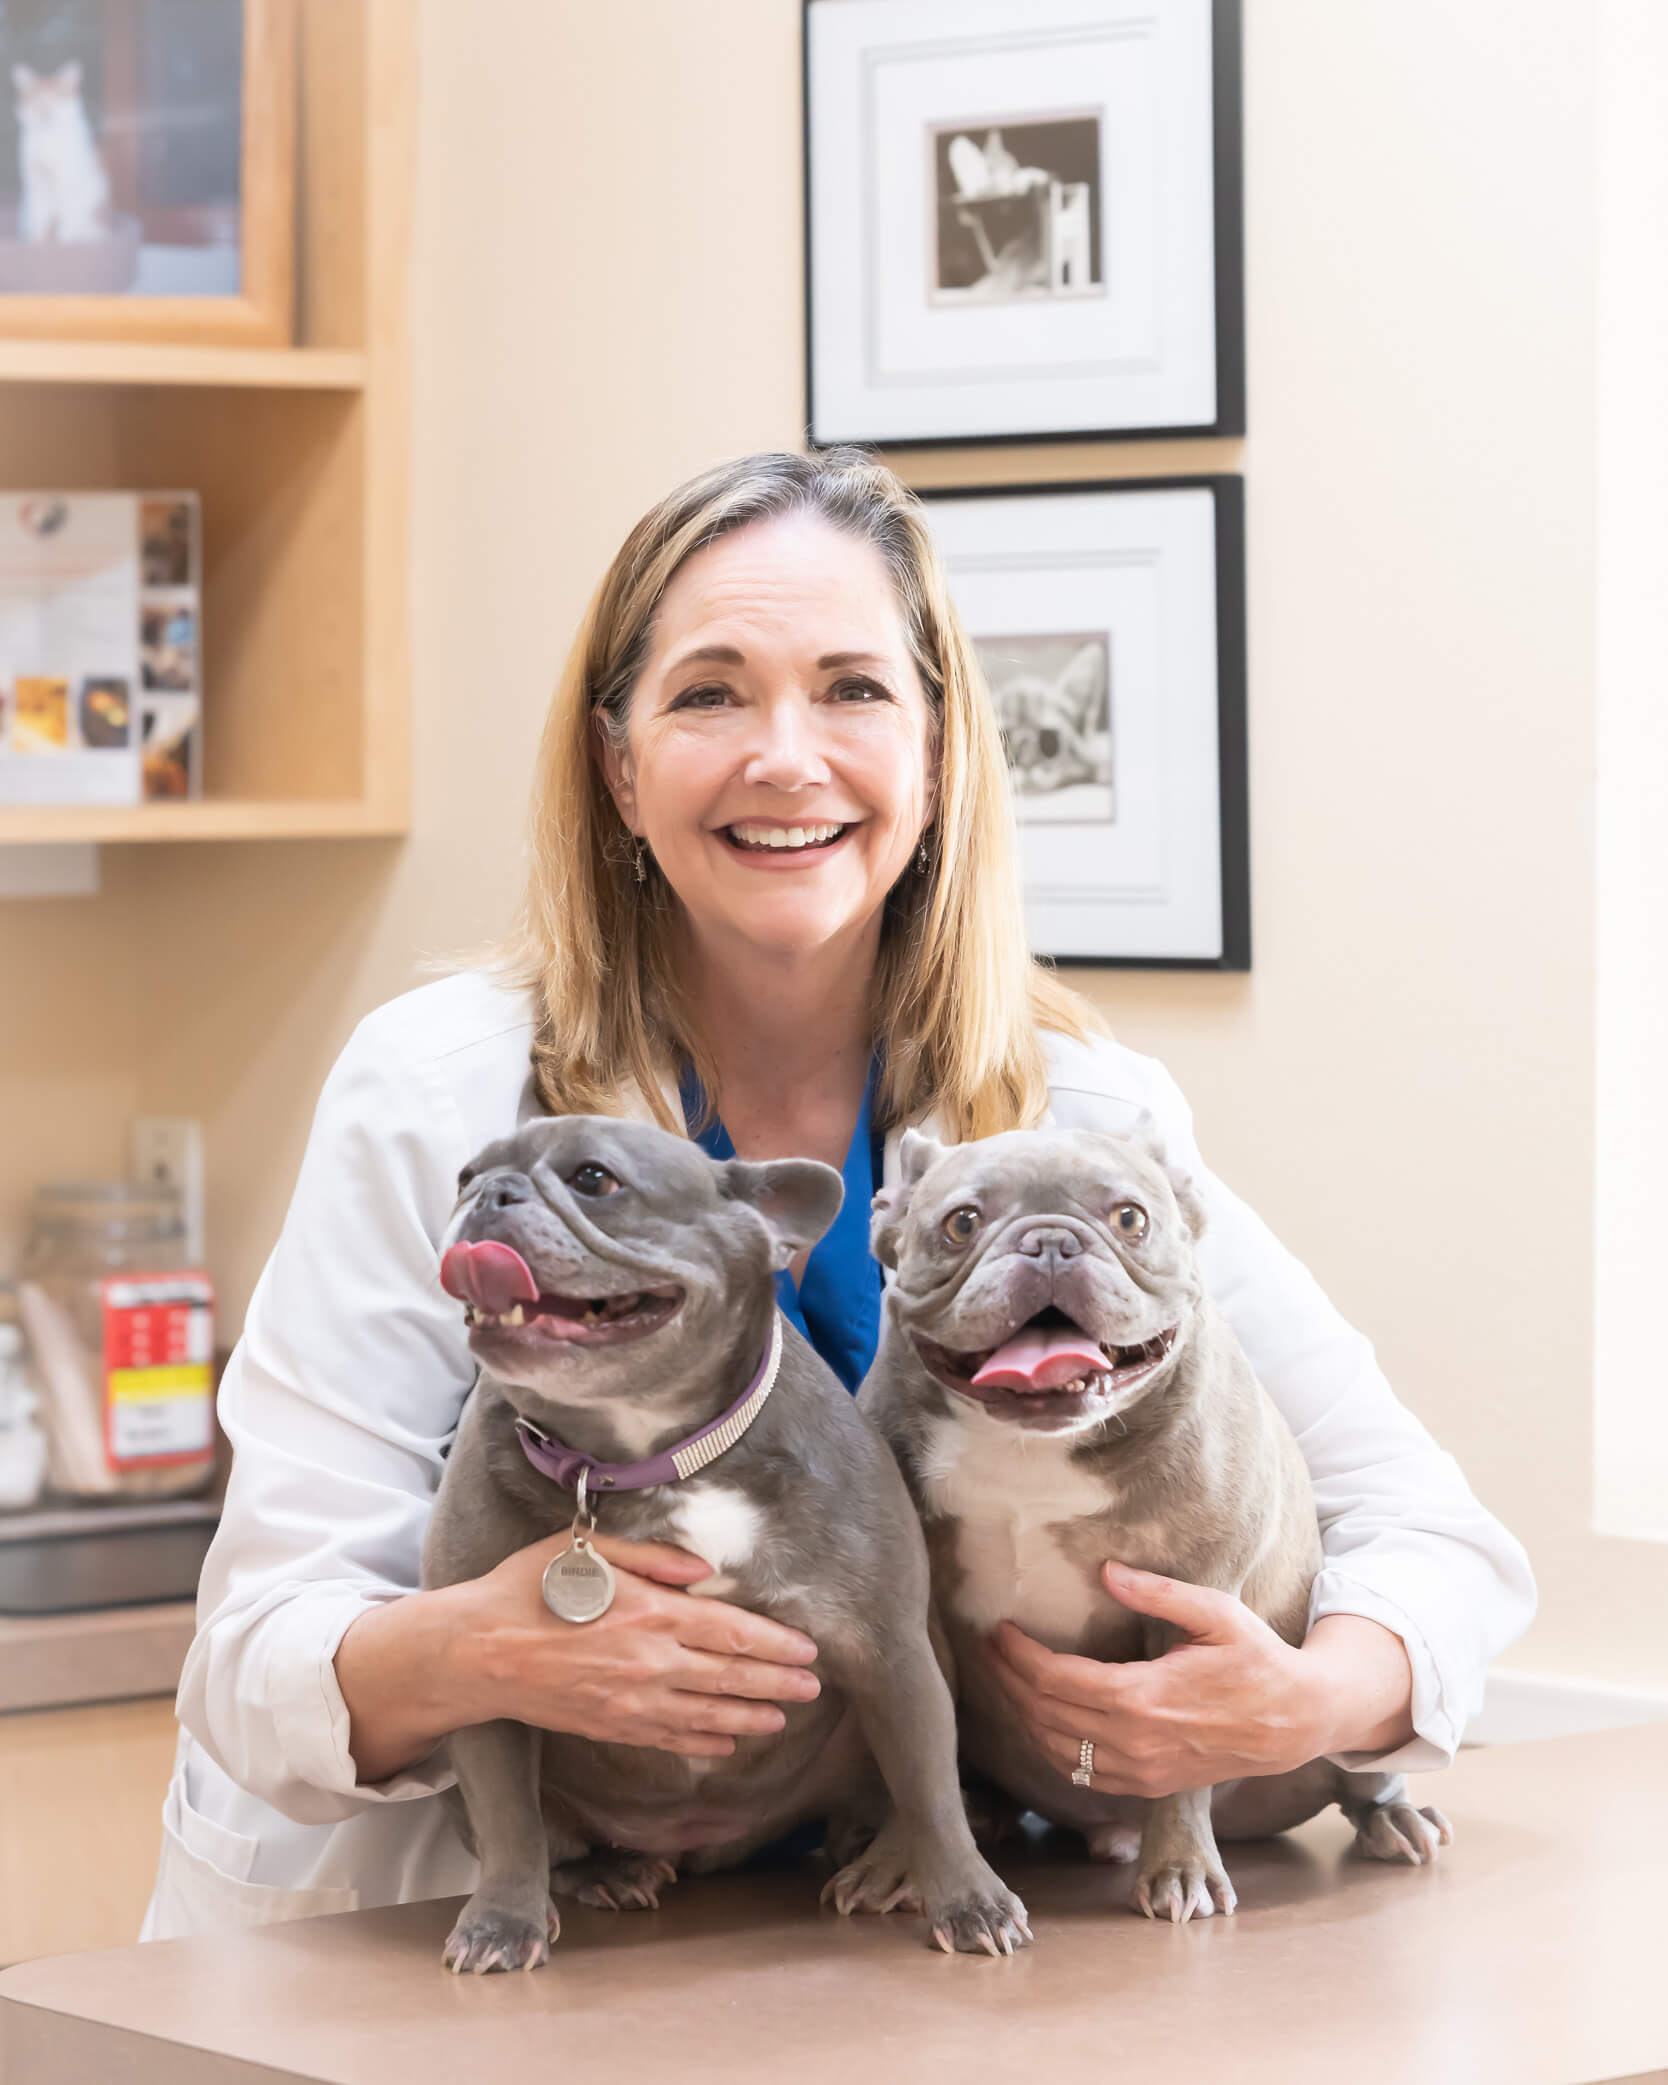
(578, 1584)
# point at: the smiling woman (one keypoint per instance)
(771, 904)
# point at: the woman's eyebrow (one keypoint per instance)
(727, 655)
(719, 654)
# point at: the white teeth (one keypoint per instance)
(787, 836)
(515, 1316)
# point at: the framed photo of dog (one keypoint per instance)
(1109, 620)
(147, 170)
(1022, 220)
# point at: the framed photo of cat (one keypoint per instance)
(1022, 220)
(1109, 620)
(147, 170)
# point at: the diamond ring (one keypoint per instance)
(1084, 1773)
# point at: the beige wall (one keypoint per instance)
(607, 297)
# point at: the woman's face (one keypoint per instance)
(779, 755)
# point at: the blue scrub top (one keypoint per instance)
(837, 1304)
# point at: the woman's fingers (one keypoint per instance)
(1199, 1611)
(719, 1713)
(714, 1625)
(662, 1561)
(1082, 1682)
(750, 1678)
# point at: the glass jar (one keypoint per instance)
(122, 1331)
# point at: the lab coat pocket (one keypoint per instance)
(202, 1879)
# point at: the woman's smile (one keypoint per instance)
(801, 844)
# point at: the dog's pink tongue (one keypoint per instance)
(489, 1274)
(1041, 1358)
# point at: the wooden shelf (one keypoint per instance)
(147, 363)
(211, 818)
(300, 456)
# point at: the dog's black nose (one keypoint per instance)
(1048, 744)
(506, 1190)
(1057, 1238)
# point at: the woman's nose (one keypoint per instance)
(786, 754)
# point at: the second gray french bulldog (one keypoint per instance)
(1059, 1390)
(620, 1290)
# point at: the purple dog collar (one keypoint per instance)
(563, 1465)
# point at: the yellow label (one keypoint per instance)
(183, 1379)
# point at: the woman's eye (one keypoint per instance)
(1129, 1220)
(861, 691)
(960, 1225)
(592, 1179)
(702, 698)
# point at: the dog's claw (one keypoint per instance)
(1180, 1894)
(487, 1938)
(1401, 1832)
(615, 1880)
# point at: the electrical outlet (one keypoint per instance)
(167, 1151)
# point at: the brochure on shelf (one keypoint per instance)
(100, 647)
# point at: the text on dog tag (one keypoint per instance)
(578, 1584)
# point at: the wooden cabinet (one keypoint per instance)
(80, 1823)
(300, 455)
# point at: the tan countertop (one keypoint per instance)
(1532, 1955)
(111, 1654)
(107, 1654)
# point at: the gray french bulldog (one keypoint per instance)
(1059, 1389)
(619, 1287)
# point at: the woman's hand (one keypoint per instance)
(1231, 1698)
(659, 1668)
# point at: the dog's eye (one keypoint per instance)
(592, 1179)
(960, 1225)
(464, 1177)
(1129, 1219)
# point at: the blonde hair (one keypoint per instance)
(958, 1002)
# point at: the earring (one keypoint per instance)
(638, 869)
(923, 860)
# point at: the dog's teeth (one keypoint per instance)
(514, 1316)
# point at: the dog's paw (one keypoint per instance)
(490, 1936)
(969, 1911)
(988, 1921)
(1400, 1832)
(615, 1880)
(878, 1879)
(1182, 1890)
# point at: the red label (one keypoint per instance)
(158, 1370)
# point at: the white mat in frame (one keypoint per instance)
(1102, 143)
(1110, 620)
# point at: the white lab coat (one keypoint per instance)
(348, 1383)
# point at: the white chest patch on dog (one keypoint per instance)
(1008, 1492)
(720, 1524)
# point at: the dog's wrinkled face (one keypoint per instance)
(1046, 1276)
(592, 1254)
(1055, 731)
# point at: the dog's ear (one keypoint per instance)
(1083, 684)
(891, 1205)
(798, 1199)
(1147, 1133)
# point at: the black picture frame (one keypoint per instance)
(1232, 733)
(1228, 214)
